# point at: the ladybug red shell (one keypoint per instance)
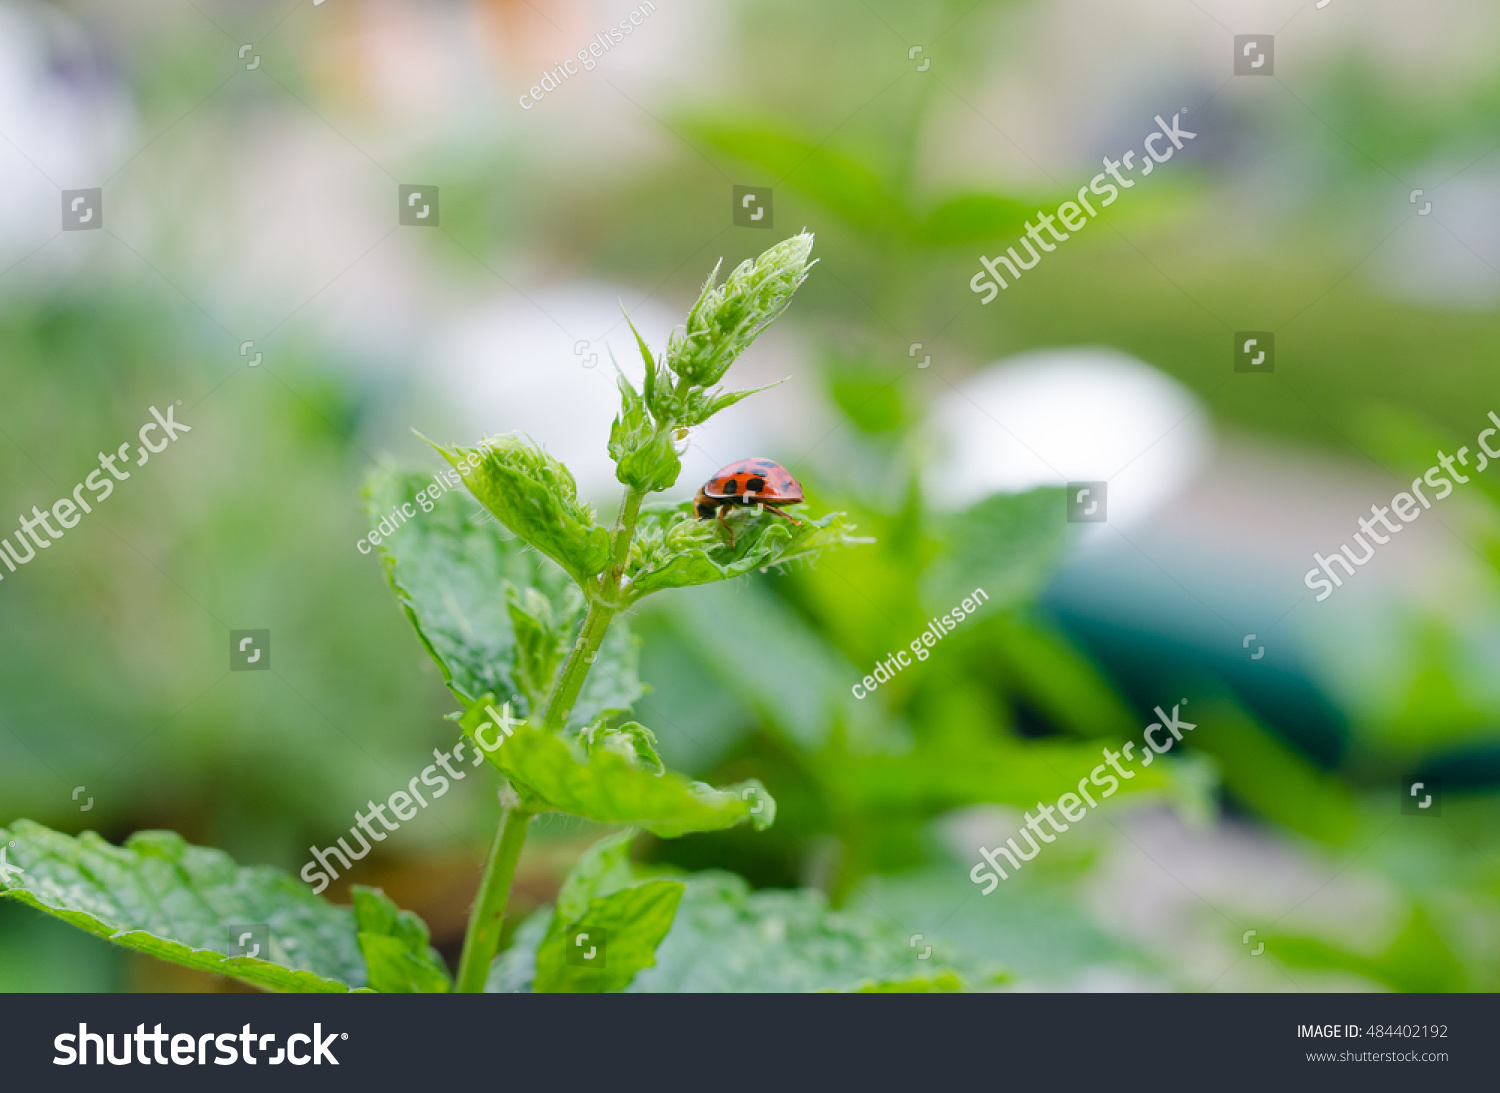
(749, 482)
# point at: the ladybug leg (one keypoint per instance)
(784, 515)
(723, 523)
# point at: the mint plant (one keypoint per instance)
(527, 627)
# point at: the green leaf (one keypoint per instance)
(1008, 545)
(726, 938)
(1059, 680)
(554, 774)
(728, 317)
(972, 219)
(674, 549)
(632, 740)
(939, 775)
(627, 926)
(601, 869)
(627, 922)
(396, 946)
(447, 572)
(1419, 960)
(185, 904)
(653, 371)
(728, 627)
(541, 644)
(1038, 927)
(645, 457)
(845, 187)
(702, 405)
(1275, 779)
(871, 399)
(943, 982)
(534, 496)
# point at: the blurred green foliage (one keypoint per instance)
(112, 646)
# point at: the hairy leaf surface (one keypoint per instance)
(556, 774)
(187, 905)
(396, 946)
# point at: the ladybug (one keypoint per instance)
(748, 482)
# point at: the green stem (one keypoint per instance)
(602, 608)
(576, 668)
(482, 938)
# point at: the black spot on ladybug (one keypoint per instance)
(755, 485)
(731, 486)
